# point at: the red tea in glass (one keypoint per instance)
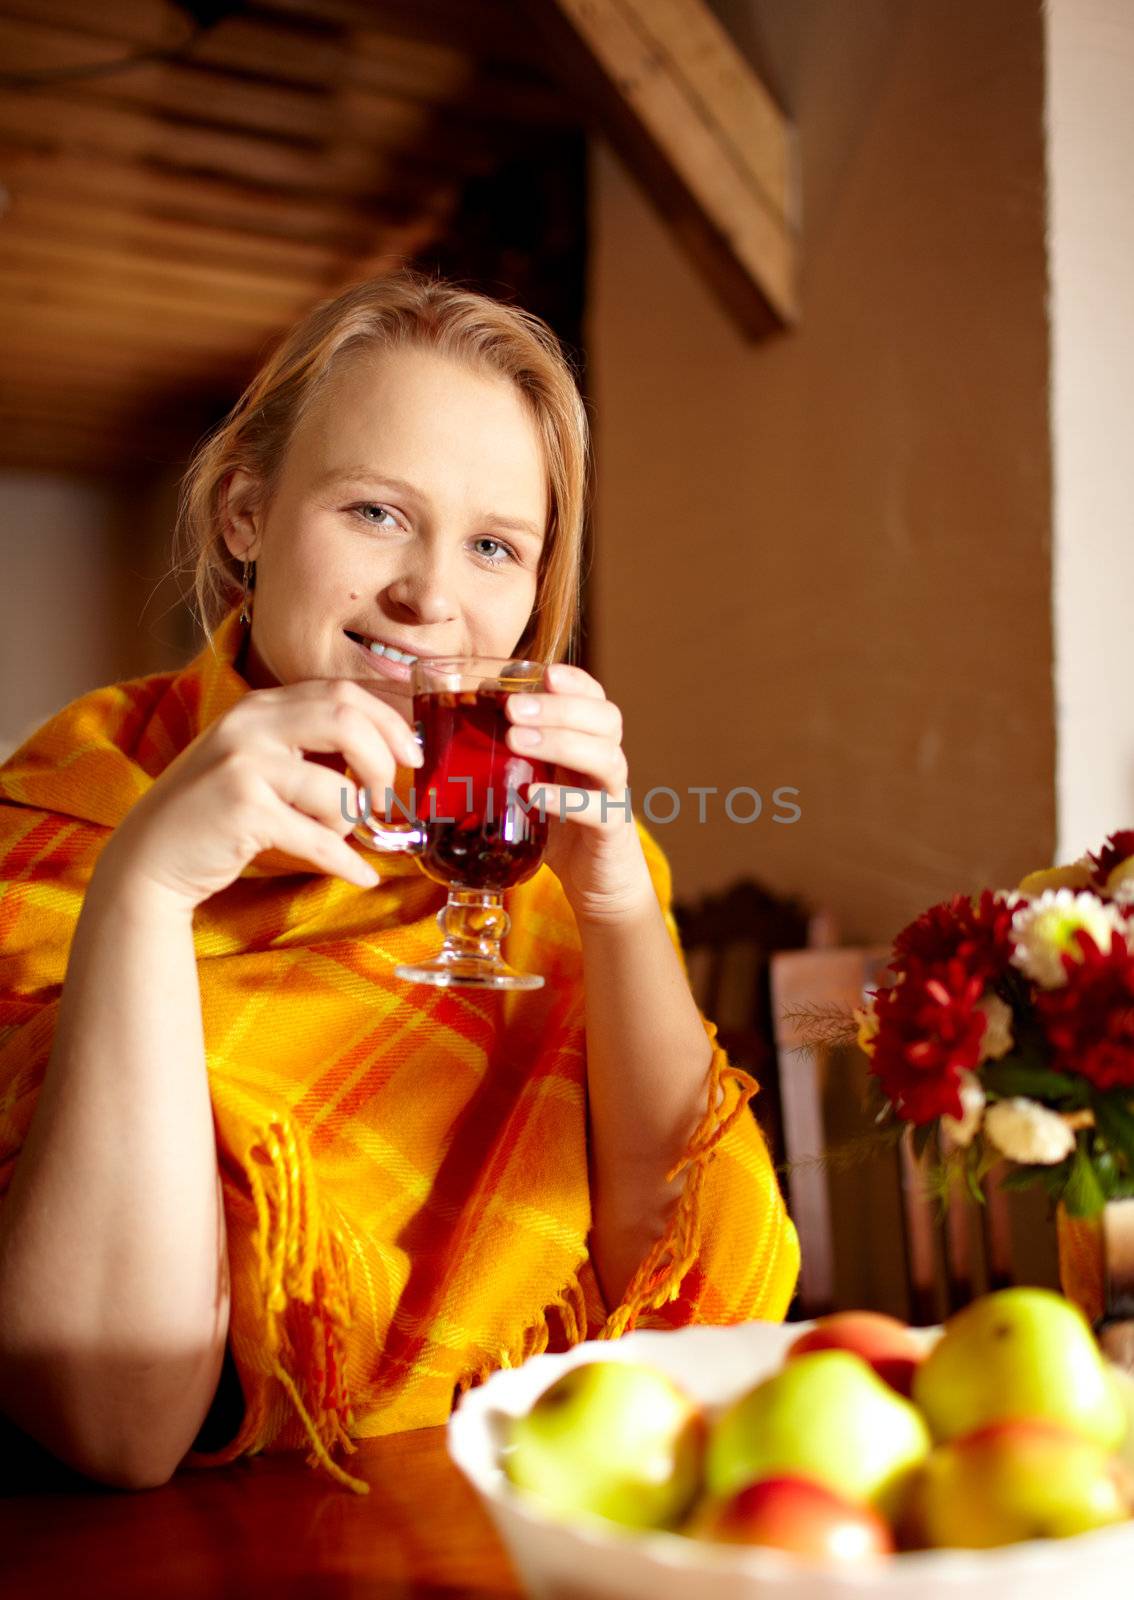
(474, 827)
(482, 831)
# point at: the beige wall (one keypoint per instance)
(86, 598)
(57, 589)
(1090, 114)
(824, 560)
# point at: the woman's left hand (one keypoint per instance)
(593, 846)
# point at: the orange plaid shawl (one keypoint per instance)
(404, 1168)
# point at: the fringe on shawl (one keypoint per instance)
(659, 1278)
(305, 1281)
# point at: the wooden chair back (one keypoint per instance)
(950, 1252)
(728, 940)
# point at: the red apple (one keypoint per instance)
(800, 1516)
(884, 1343)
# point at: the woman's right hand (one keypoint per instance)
(244, 786)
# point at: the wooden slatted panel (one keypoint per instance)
(161, 225)
(238, 205)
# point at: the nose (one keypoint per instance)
(422, 592)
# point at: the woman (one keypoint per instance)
(235, 1129)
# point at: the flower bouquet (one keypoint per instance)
(1008, 1032)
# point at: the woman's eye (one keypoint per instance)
(382, 511)
(496, 553)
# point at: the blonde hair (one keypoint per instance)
(405, 309)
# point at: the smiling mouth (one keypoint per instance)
(388, 652)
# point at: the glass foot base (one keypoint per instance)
(474, 922)
(468, 973)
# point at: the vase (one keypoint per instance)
(1096, 1271)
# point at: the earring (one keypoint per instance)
(246, 601)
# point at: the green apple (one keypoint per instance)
(1019, 1353)
(1013, 1481)
(800, 1516)
(613, 1438)
(826, 1416)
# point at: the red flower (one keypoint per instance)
(1090, 1020)
(929, 1032)
(978, 935)
(1117, 849)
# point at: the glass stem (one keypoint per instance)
(474, 922)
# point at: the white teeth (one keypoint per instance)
(390, 652)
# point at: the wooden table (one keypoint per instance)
(269, 1526)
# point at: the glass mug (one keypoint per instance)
(473, 826)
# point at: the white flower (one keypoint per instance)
(1025, 1131)
(998, 1038)
(961, 1130)
(1044, 931)
(1123, 893)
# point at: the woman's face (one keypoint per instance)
(410, 511)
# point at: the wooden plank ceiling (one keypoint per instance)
(162, 222)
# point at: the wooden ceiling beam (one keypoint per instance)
(221, 322)
(668, 86)
(238, 206)
(36, 216)
(177, 413)
(99, 459)
(170, 90)
(455, 78)
(173, 327)
(495, 29)
(103, 454)
(36, 365)
(139, 23)
(365, 144)
(31, 46)
(276, 80)
(82, 263)
(161, 310)
(371, 55)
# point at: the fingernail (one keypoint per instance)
(525, 705)
(416, 756)
(526, 736)
(370, 879)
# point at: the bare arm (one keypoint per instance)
(648, 1059)
(113, 1269)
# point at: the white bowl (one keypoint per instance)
(597, 1560)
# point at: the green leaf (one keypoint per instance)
(989, 1158)
(1020, 1178)
(972, 1179)
(1106, 1168)
(1115, 1122)
(938, 1178)
(1083, 1195)
(1054, 1180)
(1014, 1076)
